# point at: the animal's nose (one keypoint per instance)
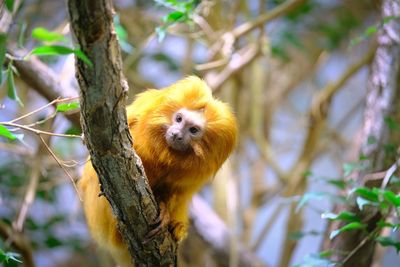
(176, 136)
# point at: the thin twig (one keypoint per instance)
(39, 132)
(389, 173)
(57, 100)
(61, 165)
(51, 116)
(280, 10)
(29, 197)
(238, 61)
(212, 65)
(205, 26)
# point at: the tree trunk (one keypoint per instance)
(103, 118)
(382, 102)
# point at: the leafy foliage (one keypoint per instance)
(182, 13)
(385, 200)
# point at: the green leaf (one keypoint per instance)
(371, 140)
(390, 149)
(161, 33)
(53, 50)
(388, 242)
(174, 17)
(7, 256)
(6, 133)
(307, 173)
(73, 130)
(83, 57)
(389, 19)
(280, 52)
(370, 30)
(316, 260)
(339, 183)
(12, 91)
(53, 221)
(309, 196)
(350, 167)
(343, 216)
(347, 227)
(44, 35)
(10, 5)
(298, 235)
(391, 198)
(3, 50)
(361, 202)
(368, 194)
(392, 123)
(326, 253)
(67, 106)
(53, 242)
(382, 224)
(293, 39)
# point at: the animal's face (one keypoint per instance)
(186, 127)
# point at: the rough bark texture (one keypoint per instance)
(382, 102)
(103, 90)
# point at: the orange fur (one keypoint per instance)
(174, 176)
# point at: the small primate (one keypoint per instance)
(183, 135)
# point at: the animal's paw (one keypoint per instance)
(178, 230)
(158, 224)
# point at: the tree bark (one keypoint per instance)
(103, 91)
(381, 103)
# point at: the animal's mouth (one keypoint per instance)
(177, 145)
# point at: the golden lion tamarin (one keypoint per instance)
(183, 135)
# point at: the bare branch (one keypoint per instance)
(280, 10)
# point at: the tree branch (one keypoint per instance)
(104, 123)
(214, 232)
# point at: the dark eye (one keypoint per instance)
(178, 118)
(193, 130)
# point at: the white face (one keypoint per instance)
(186, 126)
